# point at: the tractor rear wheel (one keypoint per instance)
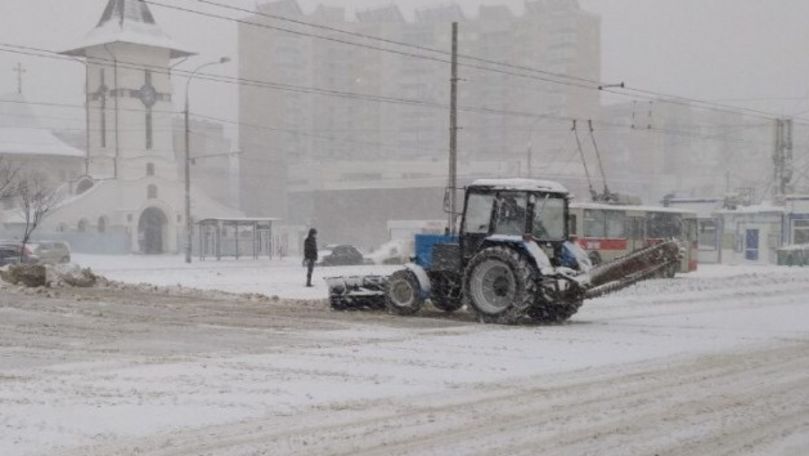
(403, 293)
(501, 285)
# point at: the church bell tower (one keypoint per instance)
(129, 99)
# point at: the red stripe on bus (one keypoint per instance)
(603, 244)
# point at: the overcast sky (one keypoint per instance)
(752, 53)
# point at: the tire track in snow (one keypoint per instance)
(485, 423)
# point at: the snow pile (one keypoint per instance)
(51, 276)
(29, 275)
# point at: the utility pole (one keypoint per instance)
(782, 157)
(19, 70)
(189, 224)
(453, 131)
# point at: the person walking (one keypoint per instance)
(310, 254)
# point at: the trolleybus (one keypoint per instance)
(608, 231)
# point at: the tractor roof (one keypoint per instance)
(525, 185)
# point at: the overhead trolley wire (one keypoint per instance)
(591, 84)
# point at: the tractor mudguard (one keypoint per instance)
(422, 277)
(540, 259)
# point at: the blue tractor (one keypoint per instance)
(512, 262)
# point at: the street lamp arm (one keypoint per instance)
(197, 70)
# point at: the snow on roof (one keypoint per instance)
(128, 21)
(755, 209)
(22, 134)
(34, 141)
(616, 207)
(521, 185)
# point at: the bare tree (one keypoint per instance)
(36, 197)
(8, 179)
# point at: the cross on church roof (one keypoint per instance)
(19, 70)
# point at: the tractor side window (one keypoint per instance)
(549, 219)
(478, 213)
(512, 209)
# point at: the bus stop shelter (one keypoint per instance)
(235, 237)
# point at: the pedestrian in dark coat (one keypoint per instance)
(310, 254)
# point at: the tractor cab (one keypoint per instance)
(514, 209)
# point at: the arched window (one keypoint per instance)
(82, 226)
(151, 191)
(102, 224)
(150, 169)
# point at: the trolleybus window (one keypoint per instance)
(478, 213)
(663, 225)
(594, 223)
(616, 224)
(604, 224)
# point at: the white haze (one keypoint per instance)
(752, 53)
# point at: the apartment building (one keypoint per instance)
(335, 102)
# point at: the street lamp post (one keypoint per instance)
(189, 226)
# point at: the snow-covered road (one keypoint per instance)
(279, 277)
(710, 363)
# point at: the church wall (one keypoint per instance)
(121, 204)
(133, 64)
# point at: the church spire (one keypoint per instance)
(126, 10)
(128, 21)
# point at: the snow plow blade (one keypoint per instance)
(357, 292)
(630, 269)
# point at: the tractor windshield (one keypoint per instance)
(549, 218)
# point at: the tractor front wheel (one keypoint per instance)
(403, 293)
(501, 285)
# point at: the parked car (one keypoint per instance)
(49, 251)
(9, 254)
(341, 255)
(13, 254)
